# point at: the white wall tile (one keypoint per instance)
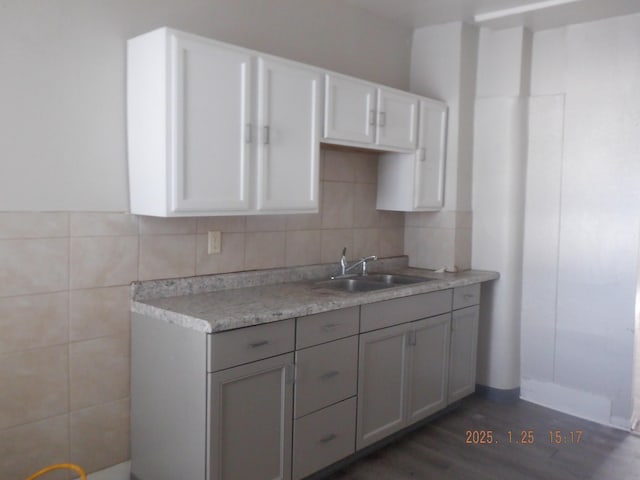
(103, 261)
(33, 266)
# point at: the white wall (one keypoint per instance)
(582, 218)
(498, 198)
(62, 87)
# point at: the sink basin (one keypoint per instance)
(395, 278)
(352, 284)
(371, 282)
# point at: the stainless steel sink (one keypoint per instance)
(371, 282)
(351, 284)
(396, 279)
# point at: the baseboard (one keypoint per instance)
(498, 395)
(116, 472)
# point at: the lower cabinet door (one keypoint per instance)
(429, 341)
(381, 383)
(323, 438)
(251, 417)
(464, 341)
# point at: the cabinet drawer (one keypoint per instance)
(326, 326)
(400, 310)
(249, 344)
(325, 374)
(323, 438)
(466, 296)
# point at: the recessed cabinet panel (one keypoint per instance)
(414, 182)
(350, 110)
(327, 326)
(324, 437)
(251, 421)
(288, 154)
(399, 310)
(325, 374)
(466, 296)
(429, 367)
(464, 339)
(244, 345)
(381, 384)
(430, 160)
(209, 80)
(397, 119)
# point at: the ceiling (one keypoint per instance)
(534, 14)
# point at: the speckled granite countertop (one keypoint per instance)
(215, 303)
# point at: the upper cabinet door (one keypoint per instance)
(289, 129)
(397, 119)
(210, 113)
(430, 161)
(350, 110)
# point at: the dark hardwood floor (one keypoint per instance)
(441, 450)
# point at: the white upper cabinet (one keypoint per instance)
(288, 157)
(361, 114)
(209, 112)
(350, 110)
(396, 119)
(415, 182)
(215, 129)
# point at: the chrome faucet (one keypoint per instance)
(345, 267)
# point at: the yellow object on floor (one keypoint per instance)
(60, 466)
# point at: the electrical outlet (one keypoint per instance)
(214, 244)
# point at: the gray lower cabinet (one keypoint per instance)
(402, 376)
(325, 390)
(251, 420)
(382, 378)
(283, 400)
(429, 367)
(323, 438)
(464, 340)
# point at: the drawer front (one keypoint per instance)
(401, 310)
(323, 438)
(326, 326)
(244, 345)
(466, 296)
(325, 374)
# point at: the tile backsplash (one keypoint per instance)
(64, 303)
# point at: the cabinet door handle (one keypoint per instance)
(260, 343)
(328, 375)
(329, 326)
(468, 296)
(247, 133)
(372, 118)
(267, 134)
(412, 339)
(382, 119)
(422, 154)
(328, 438)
